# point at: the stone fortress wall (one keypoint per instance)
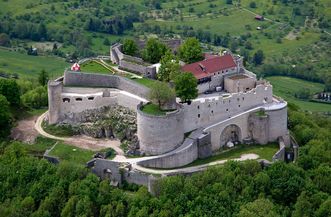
(130, 63)
(205, 111)
(160, 134)
(67, 97)
(218, 116)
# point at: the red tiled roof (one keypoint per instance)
(209, 66)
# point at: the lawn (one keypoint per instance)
(144, 81)
(285, 87)
(75, 155)
(28, 67)
(93, 66)
(152, 109)
(264, 152)
(39, 147)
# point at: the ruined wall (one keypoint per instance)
(160, 134)
(259, 127)
(277, 123)
(98, 80)
(203, 112)
(239, 85)
(182, 156)
(54, 101)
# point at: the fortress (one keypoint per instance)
(243, 110)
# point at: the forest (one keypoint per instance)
(39, 188)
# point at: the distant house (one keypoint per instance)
(259, 17)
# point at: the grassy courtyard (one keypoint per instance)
(264, 152)
(93, 66)
(285, 87)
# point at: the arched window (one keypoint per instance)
(79, 99)
(66, 100)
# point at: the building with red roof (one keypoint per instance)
(212, 70)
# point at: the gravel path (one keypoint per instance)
(80, 141)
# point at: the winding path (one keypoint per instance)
(80, 141)
(99, 144)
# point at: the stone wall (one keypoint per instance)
(204, 112)
(98, 80)
(259, 127)
(54, 101)
(244, 84)
(131, 63)
(277, 123)
(160, 134)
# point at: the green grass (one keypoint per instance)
(71, 153)
(152, 109)
(40, 146)
(264, 152)
(76, 155)
(28, 67)
(144, 81)
(62, 131)
(285, 87)
(93, 66)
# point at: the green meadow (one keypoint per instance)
(285, 87)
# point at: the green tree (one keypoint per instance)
(325, 209)
(130, 47)
(36, 98)
(169, 68)
(154, 50)
(43, 77)
(186, 86)
(252, 5)
(258, 57)
(4, 39)
(5, 117)
(190, 51)
(10, 89)
(258, 208)
(161, 93)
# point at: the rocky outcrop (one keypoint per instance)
(109, 122)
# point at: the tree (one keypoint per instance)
(161, 93)
(5, 123)
(186, 86)
(36, 98)
(258, 208)
(43, 77)
(252, 5)
(130, 47)
(190, 51)
(169, 68)
(229, 2)
(10, 89)
(154, 50)
(4, 40)
(258, 57)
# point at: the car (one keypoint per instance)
(208, 92)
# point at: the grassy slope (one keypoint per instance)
(264, 151)
(29, 66)
(286, 86)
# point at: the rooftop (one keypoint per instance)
(210, 65)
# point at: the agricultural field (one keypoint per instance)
(28, 67)
(286, 87)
